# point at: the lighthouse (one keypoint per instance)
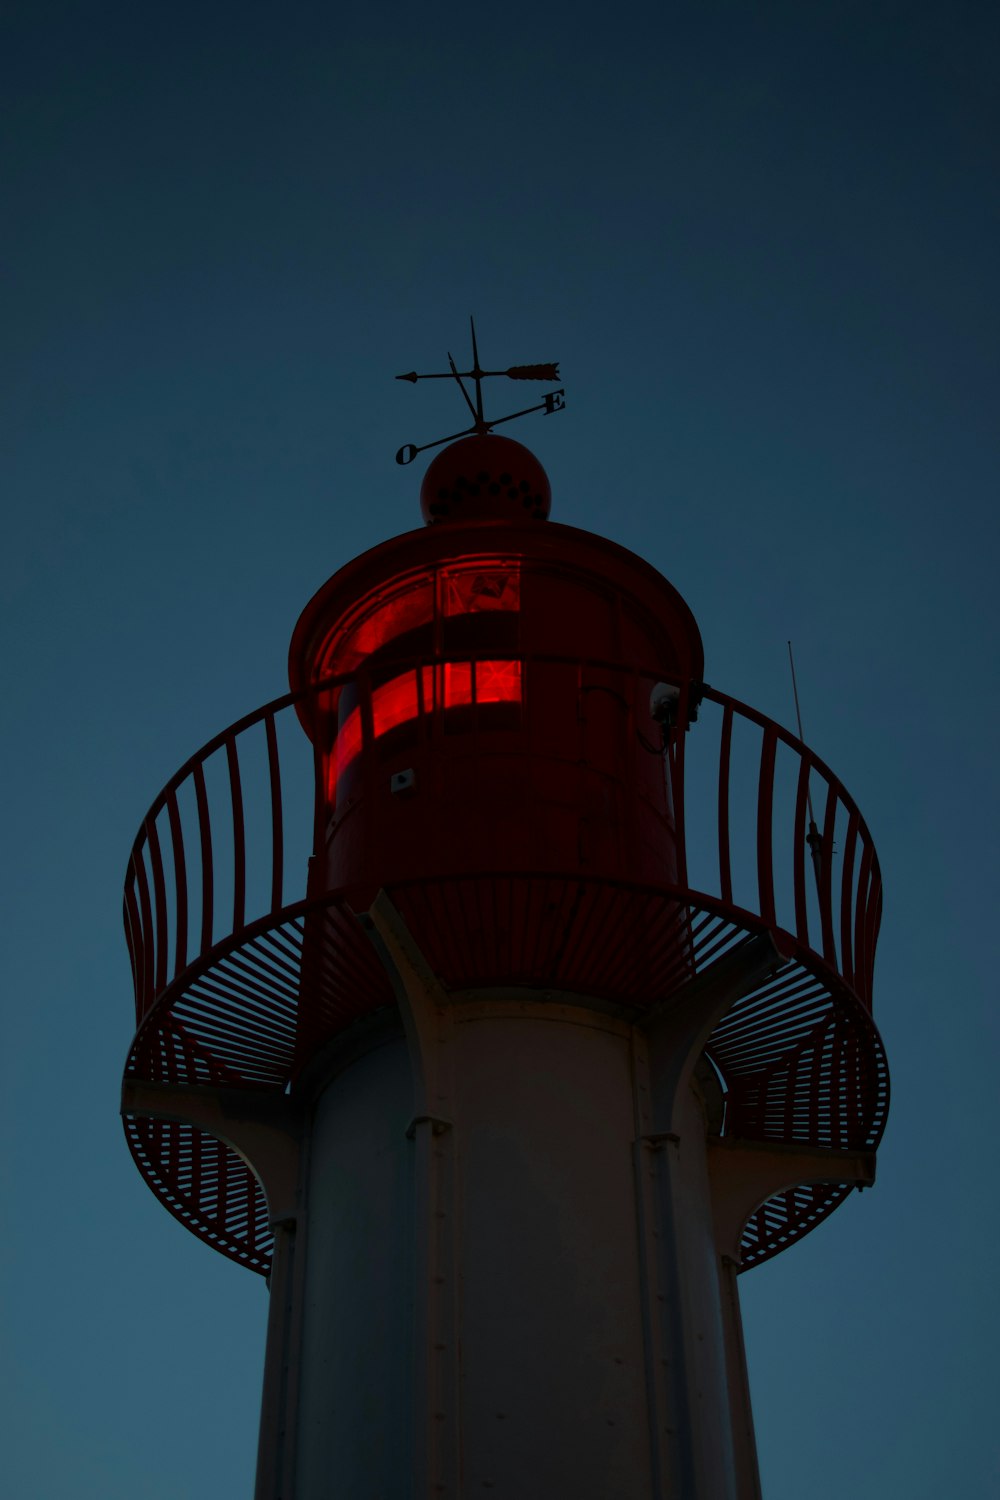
(503, 993)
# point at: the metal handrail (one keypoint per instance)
(230, 844)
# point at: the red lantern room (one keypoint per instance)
(496, 691)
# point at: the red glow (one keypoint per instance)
(346, 747)
(450, 685)
(485, 586)
(385, 622)
(464, 587)
(394, 703)
(456, 684)
(497, 682)
(469, 591)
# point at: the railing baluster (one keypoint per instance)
(826, 877)
(872, 926)
(239, 835)
(765, 832)
(725, 749)
(799, 852)
(277, 830)
(861, 917)
(159, 904)
(323, 738)
(847, 958)
(180, 880)
(207, 867)
(676, 759)
(134, 939)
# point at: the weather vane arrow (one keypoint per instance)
(553, 400)
(516, 372)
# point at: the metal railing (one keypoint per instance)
(226, 843)
(819, 882)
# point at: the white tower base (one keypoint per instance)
(507, 1234)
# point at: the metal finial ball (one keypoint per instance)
(485, 478)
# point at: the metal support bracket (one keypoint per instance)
(264, 1129)
(744, 1174)
(427, 1016)
(678, 1027)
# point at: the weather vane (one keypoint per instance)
(553, 401)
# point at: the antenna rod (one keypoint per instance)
(477, 372)
(813, 838)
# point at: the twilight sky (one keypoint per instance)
(761, 239)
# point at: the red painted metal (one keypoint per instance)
(207, 863)
(147, 951)
(490, 473)
(799, 849)
(180, 882)
(765, 815)
(725, 750)
(239, 840)
(846, 884)
(161, 956)
(826, 877)
(277, 836)
(514, 758)
(800, 1057)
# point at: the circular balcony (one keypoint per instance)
(244, 966)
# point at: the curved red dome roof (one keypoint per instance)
(485, 477)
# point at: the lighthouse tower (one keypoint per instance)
(503, 992)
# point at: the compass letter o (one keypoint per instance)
(407, 453)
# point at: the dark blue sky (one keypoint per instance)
(762, 241)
